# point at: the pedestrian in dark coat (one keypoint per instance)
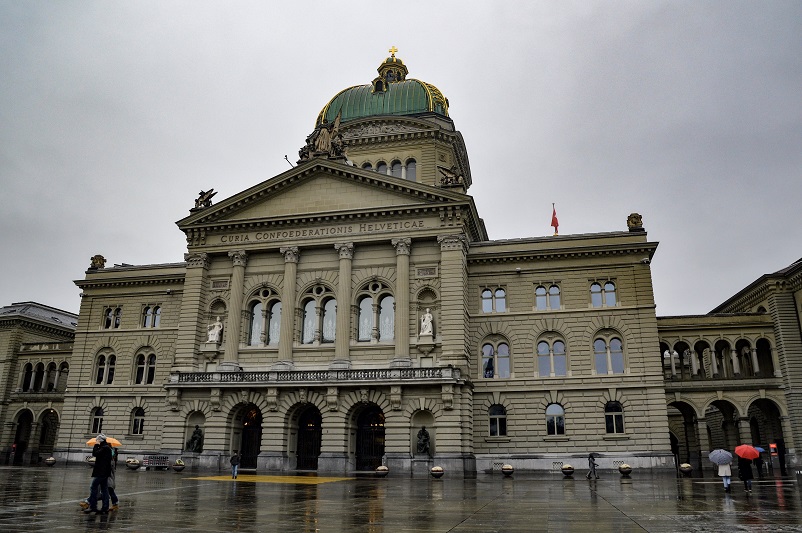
(234, 464)
(100, 475)
(745, 473)
(592, 467)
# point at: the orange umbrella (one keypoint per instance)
(111, 440)
(746, 451)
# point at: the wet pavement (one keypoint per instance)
(46, 499)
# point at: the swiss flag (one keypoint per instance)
(554, 222)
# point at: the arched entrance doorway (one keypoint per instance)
(369, 438)
(47, 433)
(22, 436)
(309, 438)
(251, 437)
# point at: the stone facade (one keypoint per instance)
(323, 317)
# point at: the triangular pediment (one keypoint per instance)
(321, 188)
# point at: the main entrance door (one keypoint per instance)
(251, 437)
(370, 439)
(309, 437)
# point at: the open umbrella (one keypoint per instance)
(746, 451)
(758, 448)
(720, 457)
(111, 440)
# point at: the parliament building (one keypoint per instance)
(324, 317)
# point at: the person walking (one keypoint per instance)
(592, 467)
(100, 476)
(745, 473)
(234, 464)
(759, 466)
(115, 501)
(725, 472)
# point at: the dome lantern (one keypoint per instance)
(392, 70)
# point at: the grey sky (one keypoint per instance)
(113, 115)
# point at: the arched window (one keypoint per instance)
(310, 318)
(365, 318)
(140, 369)
(138, 421)
(376, 312)
(147, 317)
(603, 296)
(151, 316)
(104, 371)
(39, 377)
(256, 321)
(320, 315)
(617, 355)
(145, 369)
(395, 169)
(547, 299)
(27, 374)
(329, 320)
(498, 420)
(151, 369)
(609, 356)
(264, 318)
(555, 419)
(412, 170)
(551, 359)
(52, 377)
(100, 371)
(496, 360)
(274, 324)
(600, 355)
(111, 317)
(97, 420)
(387, 318)
(367, 166)
(494, 300)
(614, 417)
(381, 167)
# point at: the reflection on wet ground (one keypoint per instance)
(46, 499)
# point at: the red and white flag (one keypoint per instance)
(554, 222)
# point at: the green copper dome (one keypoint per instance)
(389, 94)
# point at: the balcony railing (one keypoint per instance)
(315, 376)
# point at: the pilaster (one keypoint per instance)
(191, 318)
(291, 257)
(234, 323)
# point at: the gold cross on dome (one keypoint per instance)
(392, 51)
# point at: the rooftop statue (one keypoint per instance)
(205, 198)
(325, 141)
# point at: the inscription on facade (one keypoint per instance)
(348, 229)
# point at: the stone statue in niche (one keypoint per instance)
(195, 442)
(423, 441)
(215, 330)
(426, 323)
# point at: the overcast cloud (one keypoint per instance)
(113, 115)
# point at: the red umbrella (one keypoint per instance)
(746, 451)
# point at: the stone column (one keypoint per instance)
(694, 362)
(704, 442)
(736, 367)
(402, 250)
(192, 320)
(713, 362)
(755, 366)
(610, 359)
(744, 430)
(234, 322)
(342, 339)
(673, 355)
(291, 256)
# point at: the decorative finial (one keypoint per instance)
(392, 51)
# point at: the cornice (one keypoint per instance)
(557, 253)
(30, 325)
(138, 281)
